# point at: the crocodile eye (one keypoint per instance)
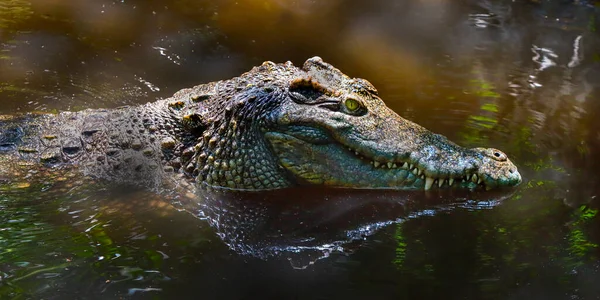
(352, 104)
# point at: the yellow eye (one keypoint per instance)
(352, 104)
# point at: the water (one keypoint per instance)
(520, 76)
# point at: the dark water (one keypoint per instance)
(521, 76)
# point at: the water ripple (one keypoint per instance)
(168, 54)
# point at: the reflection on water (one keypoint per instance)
(121, 242)
(316, 223)
(521, 76)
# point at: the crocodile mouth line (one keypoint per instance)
(430, 182)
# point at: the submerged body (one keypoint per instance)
(275, 126)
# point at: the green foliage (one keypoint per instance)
(6, 87)
(491, 107)
(543, 163)
(477, 125)
(579, 243)
(483, 88)
(483, 121)
(474, 134)
(400, 248)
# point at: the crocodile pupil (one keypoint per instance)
(352, 104)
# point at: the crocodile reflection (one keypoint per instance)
(309, 224)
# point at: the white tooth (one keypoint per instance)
(422, 176)
(411, 166)
(349, 148)
(474, 178)
(394, 166)
(372, 162)
(405, 165)
(440, 182)
(479, 181)
(389, 164)
(450, 181)
(414, 171)
(420, 172)
(428, 183)
(376, 164)
(468, 177)
(356, 152)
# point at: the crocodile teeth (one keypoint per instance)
(474, 178)
(411, 166)
(440, 182)
(414, 171)
(376, 164)
(450, 181)
(405, 165)
(394, 166)
(389, 165)
(428, 183)
(356, 152)
(479, 181)
(420, 172)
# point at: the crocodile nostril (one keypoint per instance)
(497, 154)
(511, 171)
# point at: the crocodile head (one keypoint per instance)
(337, 131)
(315, 125)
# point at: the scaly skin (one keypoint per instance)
(275, 126)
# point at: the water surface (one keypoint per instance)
(520, 76)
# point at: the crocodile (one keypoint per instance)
(275, 126)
